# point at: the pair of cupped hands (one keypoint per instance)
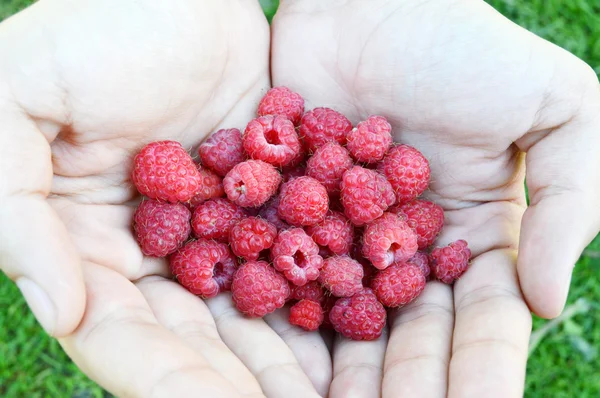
(84, 85)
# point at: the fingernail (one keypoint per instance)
(39, 302)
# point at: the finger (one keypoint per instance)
(120, 345)
(358, 367)
(418, 352)
(188, 317)
(261, 350)
(308, 347)
(35, 249)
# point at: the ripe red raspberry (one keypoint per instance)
(365, 195)
(311, 291)
(251, 183)
(334, 233)
(214, 219)
(211, 186)
(270, 213)
(307, 314)
(163, 170)
(303, 201)
(370, 140)
(450, 262)
(388, 240)
(360, 317)
(398, 284)
(272, 139)
(322, 125)
(222, 150)
(258, 289)
(341, 275)
(328, 164)
(424, 217)
(407, 170)
(296, 255)
(161, 228)
(421, 260)
(204, 267)
(282, 101)
(250, 236)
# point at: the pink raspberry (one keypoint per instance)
(389, 240)
(214, 219)
(163, 170)
(204, 267)
(222, 150)
(161, 228)
(270, 213)
(341, 275)
(251, 236)
(398, 284)
(311, 291)
(370, 140)
(307, 314)
(303, 201)
(251, 183)
(421, 260)
(284, 102)
(334, 233)
(360, 317)
(272, 139)
(322, 125)
(424, 217)
(211, 186)
(258, 289)
(365, 195)
(328, 164)
(407, 170)
(450, 262)
(296, 255)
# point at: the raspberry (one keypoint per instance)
(360, 317)
(282, 101)
(251, 183)
(251, 236)
(211, 186)
(450, 262)
(311, 291)
(365, 195)
(307, 314)
(335, 233)
(163, 170)
(424, 217)
(398, 284)
(258, 289)
(296, 255)
(303, 201)
(421, 260)
(222, 150)
(204, 267)
(327, 304)
(407, 170)
(322, 125)
(370, 140)
(269, 212)
(328, 164)
(341, 275)
(214, 219)
(388, 240)
(161, 228)
(272, 139)
(290, 173)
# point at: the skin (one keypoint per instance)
(81, 94)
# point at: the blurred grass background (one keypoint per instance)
(565, 362)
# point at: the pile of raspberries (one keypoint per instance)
(302, 208)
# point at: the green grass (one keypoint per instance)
(562, 365)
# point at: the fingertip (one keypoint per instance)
(545, 294)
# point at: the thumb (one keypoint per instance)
(35, 248)
(563, 178)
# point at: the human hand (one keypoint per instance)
(473, 92)
(84, 85)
